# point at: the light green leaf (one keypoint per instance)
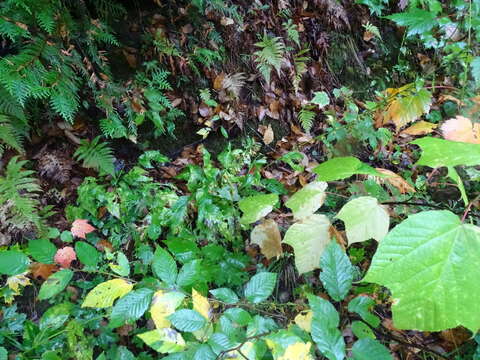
(307, 200)
(187, 320)
(343, 167)
(361, 330)
(86, 253)
(238, 315)
(204, 352)
(55, 284)
(42, 250)
(55, 316)
(337, 274)
(122, 267)
(453, 174)
(370, 349)
(475, 65)
(189, 273)
(104, 294)
(164, 266)
(260, 287)
(308, 237)
(431, 264)
(163, 340)
(256, 207)
(130, 307)
(13, 262)
(324, 330)
(362, 306)
(439, 152)
(416, 20)
(321, 99)
(3, 353)
(364, 219)
(225, 294)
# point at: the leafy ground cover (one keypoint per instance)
(201, 180)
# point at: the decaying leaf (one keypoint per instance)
(200, 304)
(420, 128)
(267, 236)
(43, 271)
(80, 228)
(65, 256)
(461, 129)
(396, 180)
(304, 320)
(15, 283)
(268, 135)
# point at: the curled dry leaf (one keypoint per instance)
(65, 256)
(268, 135)
(80, 228)
(396, 180)
(267, 236)
(420, 128)
(43, 271)
(461, 129)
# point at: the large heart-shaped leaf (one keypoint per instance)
(439, 152)
(256, 207)
(307, 200)
(431, 263)
(343, 167)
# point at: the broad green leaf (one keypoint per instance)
(164, 340)
(164, 266)
(439, 152)
(3, 353)
(187, 320)
(226, 295)
(122, 267)
(337, 274)
(325, 331)
(104, 294)
(364, 219)
(321, 99)
(362, 330)
(130, 307)
(260, 287)
(431, 264)
(239, 316)
(204, 352)
(55, 284)
(220, 342)
(308, 237)
(163, 305)
(256, 207)
(362, 305)
(343, 167)
(124, 354)
(416, 20)
(189, 273)
(42, 250)
(86, 253)
(307, 200)
(13, 262)
(370, 349)
(267, 236)
(55, 316)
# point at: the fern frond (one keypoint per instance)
(234, 82)
(96, 155)
(300, 67)
(306, 117)
(270, 55)
(292, 31)
(206, 97)
(8, 135)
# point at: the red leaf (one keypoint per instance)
(81, 227)
(65, 256)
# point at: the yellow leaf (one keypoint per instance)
(200, 304)
(406, 105)
(420, 128)
(461, 129)
(104, 294)
(396, 180)
(297, 351)
(18, 281)
(304, 320)
(267, 236)
(163, 305)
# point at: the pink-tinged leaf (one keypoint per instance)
(81, 228)
(65, 256)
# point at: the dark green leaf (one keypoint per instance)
(362, 330)
(164, 266)
(416, 20)
(260, 287)
(187, 320)
(370, 349)
(337, 274)
(86, 253)
(189, 273)
(225, 294)
(42, 250)
(362, 305)
(13, 262)
(130, 307)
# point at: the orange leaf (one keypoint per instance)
(396, 180)
(65, 256)
(104, 244)
(461, 129)
(43, 271)
(420, 128)
(81, 227)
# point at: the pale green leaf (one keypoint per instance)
(13, 262)
(260, 287)
(122, 267)
(225, 294)
(364, 219)
(416, 20)
(439, 152)
(337, 274)
(475, 65)
(308, 238)
(256, 207)
(104, 294)
(370, 349)
(343, 167)
(55, 284)
(431, 264)
(130, 307)
(164, 266)
(307, 200)
(321, 99)
(187, 320)
(163, 340)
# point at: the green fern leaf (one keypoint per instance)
(96, 155)
(270, 55)
(306, 117)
